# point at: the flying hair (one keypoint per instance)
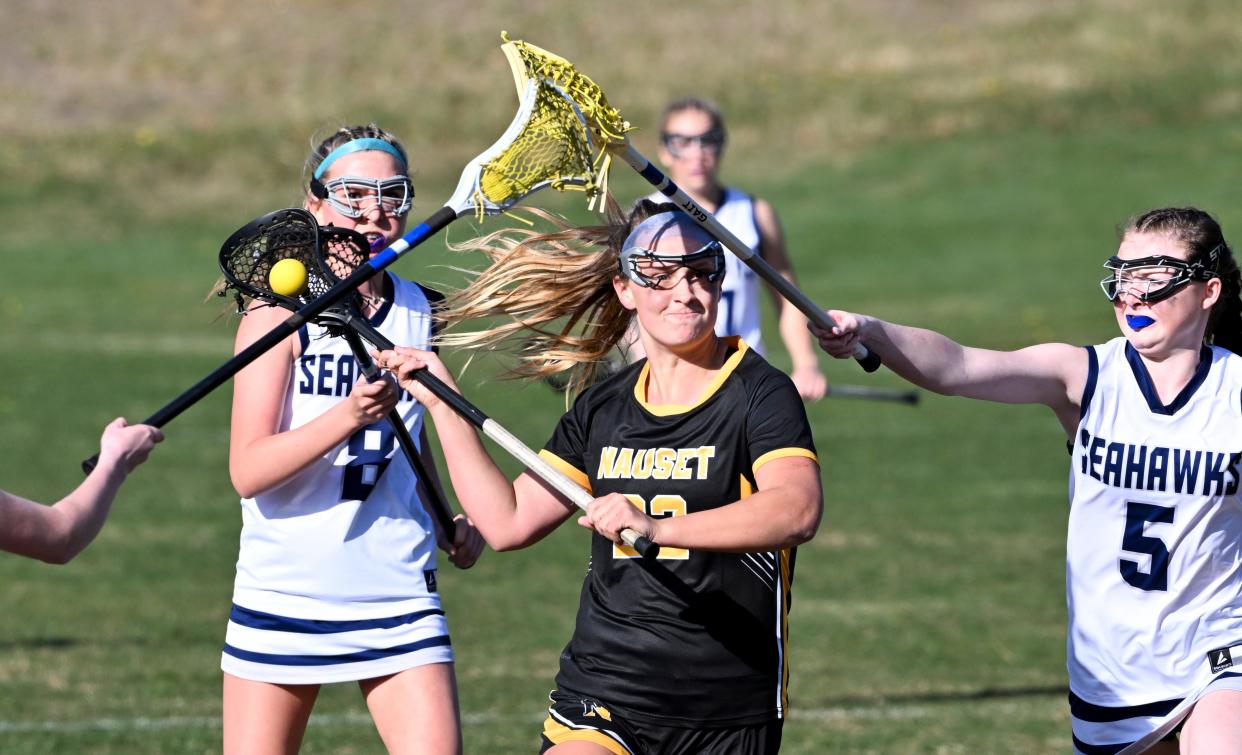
(550, 294)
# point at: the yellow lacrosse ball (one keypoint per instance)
(287, 277)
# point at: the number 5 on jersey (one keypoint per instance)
(1135, 540)
(661, 506)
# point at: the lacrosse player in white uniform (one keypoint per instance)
(336, 572)
(692, 139)
(1154, 420)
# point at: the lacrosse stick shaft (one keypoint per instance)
(505, 439)
(408, 447)
(364, 272)
(874, 394)
(867, 358)
(523, 453)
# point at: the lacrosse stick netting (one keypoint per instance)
(609, 130)
(547, 144)
(246, 259)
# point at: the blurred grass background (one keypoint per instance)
(958, 164)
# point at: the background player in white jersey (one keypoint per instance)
(336, 572)
(1154, 418)
(692, 141)
(61, 531)
(702, 446)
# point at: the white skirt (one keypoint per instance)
(1101, 730)
(265, 647)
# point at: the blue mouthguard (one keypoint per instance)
(1138, 322)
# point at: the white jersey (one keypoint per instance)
(345, 546)
(1154, 570)
(738, 313)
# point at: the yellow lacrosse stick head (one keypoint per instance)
(564, 139)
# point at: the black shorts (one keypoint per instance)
(573, 718)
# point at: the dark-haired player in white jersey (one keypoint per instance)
(1154, 418)
(702, 446)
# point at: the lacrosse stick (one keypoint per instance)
(246, 259)
(443, 513)
(609, 131)
(548, 143)
(341, 251)
(910, 397)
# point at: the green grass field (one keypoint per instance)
(961, 165)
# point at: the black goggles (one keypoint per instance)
(660, 271)
(1153, 279)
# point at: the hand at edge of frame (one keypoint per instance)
(127, 445)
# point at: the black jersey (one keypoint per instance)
(695, 637)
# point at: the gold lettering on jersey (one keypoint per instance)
(642, 464)
(663, 460)
(621, 467)
(655, 463)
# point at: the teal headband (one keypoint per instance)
(358, 145)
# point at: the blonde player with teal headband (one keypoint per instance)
(1154, 420)
(336, 576)
(702, 446)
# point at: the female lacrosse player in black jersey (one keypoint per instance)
(703, 447)
(692, 146)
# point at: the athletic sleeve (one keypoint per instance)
(777, 425)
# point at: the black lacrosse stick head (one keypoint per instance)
(247, 257)
(341, 252)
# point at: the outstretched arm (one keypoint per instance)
(510, 515)
(1052, 374)
(806, 374)
(59, 532)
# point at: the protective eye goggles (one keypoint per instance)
(1152, 279)
(664, 271)
(712, 141)
(353, 196)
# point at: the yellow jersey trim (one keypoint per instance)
(783, 453)
(564, 467)
(558, 733)
(747, 489)
(668, 410)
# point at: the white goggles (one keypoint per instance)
(353, 196)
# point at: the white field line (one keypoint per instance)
(817, 715)
(118, 344)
